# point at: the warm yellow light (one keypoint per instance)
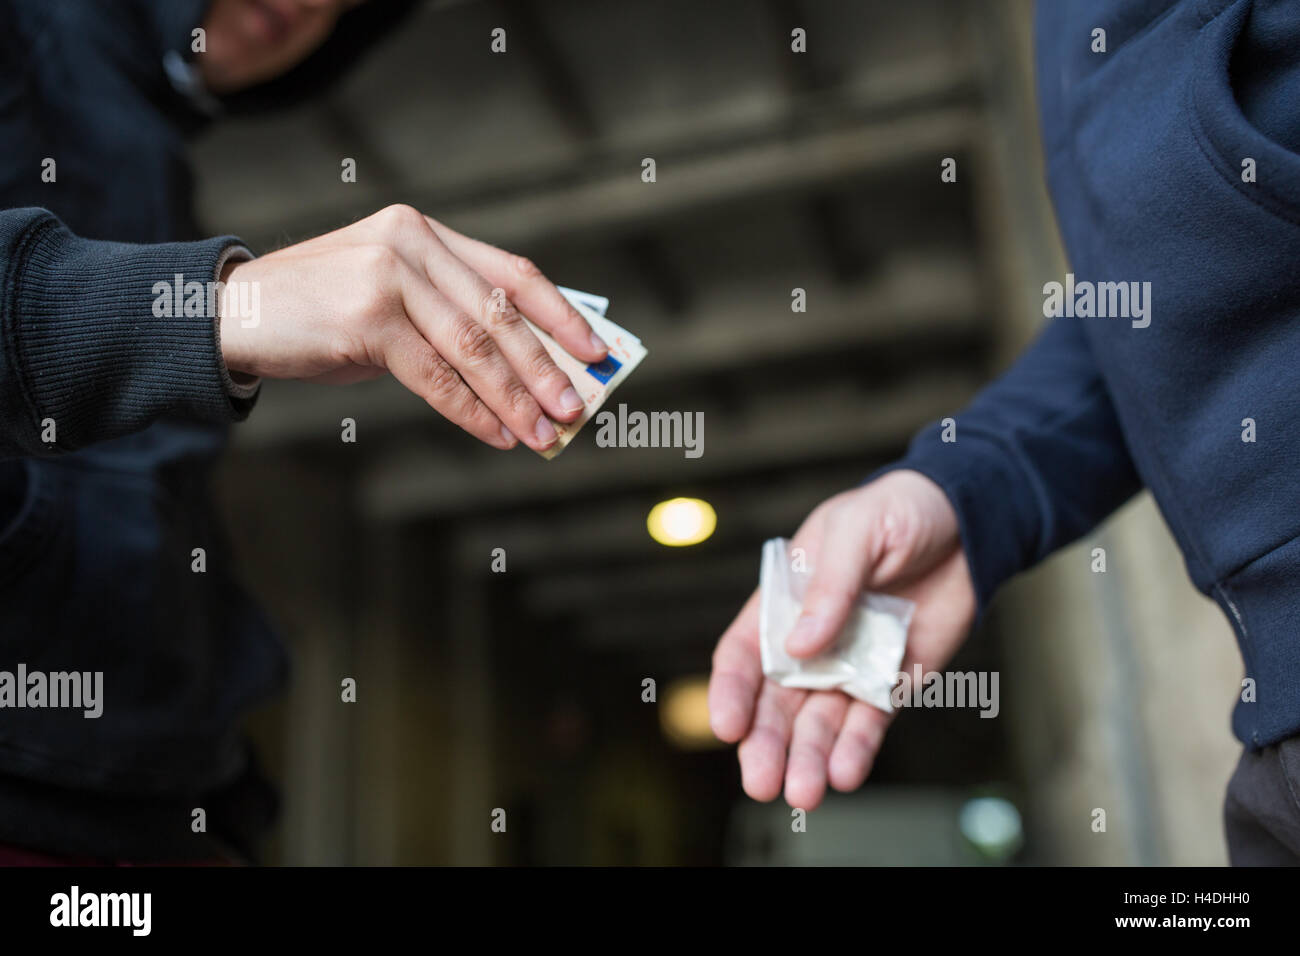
(681, 521)
(684, 714)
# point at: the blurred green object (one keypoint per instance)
(992, 826)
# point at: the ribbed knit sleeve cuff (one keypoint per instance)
(111, 336)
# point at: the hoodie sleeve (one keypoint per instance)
(92, 342)
(1033, 463)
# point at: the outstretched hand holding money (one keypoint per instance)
(897, 534)
(445, 314)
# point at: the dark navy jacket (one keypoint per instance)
(1146, 145)
(98, 528)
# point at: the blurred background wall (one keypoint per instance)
(522, 690)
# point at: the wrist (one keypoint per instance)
(937, 504)
(238, 309)
(235, 316)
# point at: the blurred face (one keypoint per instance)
(252, 41)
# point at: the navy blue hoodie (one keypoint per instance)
(1173, 158)
(98, 526)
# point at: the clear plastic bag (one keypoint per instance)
(865, 659)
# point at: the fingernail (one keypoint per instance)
(803, 635)
(545, 431)
(598, 343)
(508, 438)
(570, 400)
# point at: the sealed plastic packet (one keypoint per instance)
(865, 659)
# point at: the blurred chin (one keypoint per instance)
(263, 24)
(249, 42)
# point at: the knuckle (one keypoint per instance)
(443, 382)
(471, 340)
(540, 367)
(891, 527)
(896, 529)
(498, 311)
(402, 216)
(525, 268)
(517, 396)
(473, 410)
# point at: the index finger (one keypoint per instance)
(737, 676)
(531, 292)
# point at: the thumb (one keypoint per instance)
(847, 552)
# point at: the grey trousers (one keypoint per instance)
(1261, 813)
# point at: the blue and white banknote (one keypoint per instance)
(596, 381)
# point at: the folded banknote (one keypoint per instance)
(597, 303)
(594, 381)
